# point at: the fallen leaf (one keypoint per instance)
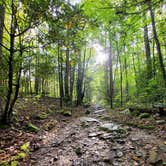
(135, 158)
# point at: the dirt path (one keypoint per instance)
(94, 140)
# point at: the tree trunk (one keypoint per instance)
(72, 78)
(147, 52)
(36, 77)
(16, 93)
(111, 90)
(80, 76)
(158, 47)
(121, 76)
(10, 65)
(67, 75)
(2, 14)
(60, 76)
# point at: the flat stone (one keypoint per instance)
(121, 141)
(153, 157)
(99, 111)
(162, 148)
(139, 154)
(134, 139)
(119, 153)
(115, 163)
(160, 122)
(87, 119)
(109, 127)
(126, 111)
(95, 134)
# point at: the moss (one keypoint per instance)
(14, 163)
(32, 128)
(25, 147)
(149, 127)
(87, 112)
(144, 115)
(19, 156)
(78, 151)
(135, 113)
(42, 116)
(49, 126)
(66, 112)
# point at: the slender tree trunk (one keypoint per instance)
(60, 76)
(2, 14)
(67, 75)
(154, 59)
(158, 47)
(106, 68)
(147, 51)
(10, 65)
(127, 83)
(36, 76)
(135, 74)
(16, 93)
(111, 91)
(72, 78)
(30, 83)
(79, 80)
(121, 76)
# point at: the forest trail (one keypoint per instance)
(95, 140)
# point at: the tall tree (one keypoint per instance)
(155, 35)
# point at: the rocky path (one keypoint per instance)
(94, 140)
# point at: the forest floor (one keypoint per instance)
(91, 136)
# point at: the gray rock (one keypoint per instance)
(126, 111)
(160, 122)
(99, 111)
(134, 139)
(139, 154)
(153, 157)
(95, 134)
(87, 119)
(162, 148)
(109, 127)
(120, 141)
(119, 154)
(115, 163)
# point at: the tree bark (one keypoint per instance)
(10, 65)
(80, 78)
(147, 52)
(60, 76)
(2, 14)
(67, 75)
(127, 83)
(111, 89)
(158, 47)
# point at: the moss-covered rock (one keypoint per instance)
(78, 151)
(42, 116)
(149, 127)
(144, 115)
(135, 112)
(25, 147)
(32, 127)
(49, 125)
(66, 112)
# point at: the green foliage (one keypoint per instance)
(19, 156)
(66, 112)
(144, 115)
(42, 116)
(32, 128)
(25, 147)
(148, 127)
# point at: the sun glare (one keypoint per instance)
(100, 54)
